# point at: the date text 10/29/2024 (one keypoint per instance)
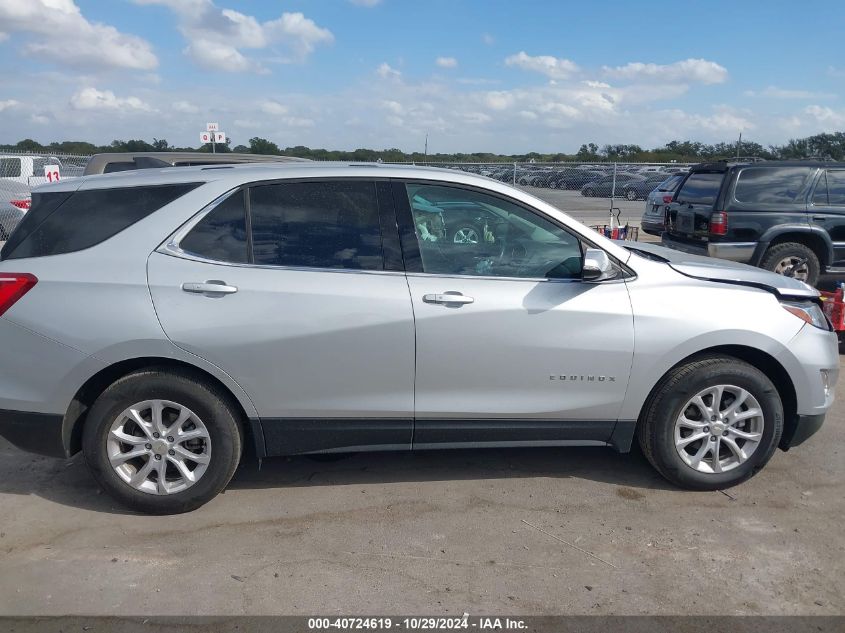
(465, 622)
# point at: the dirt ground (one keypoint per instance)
(539, 531)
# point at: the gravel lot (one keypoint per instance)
(437, 533)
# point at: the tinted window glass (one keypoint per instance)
(836, 187)
(317, 224)
(10, 167)
(820, 194)
(701, 188)
(464, 232)
(221, 235)
(779, 185)
(87, 218)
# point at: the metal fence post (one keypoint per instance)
(514, 174)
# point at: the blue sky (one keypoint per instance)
(487, 75)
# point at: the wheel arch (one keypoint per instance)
(757, 358)
(75, 417)
(815, 239)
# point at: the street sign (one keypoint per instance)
(212, 127)
(205, 137)
(51, 173)
(220, 137)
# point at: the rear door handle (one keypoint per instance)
(450, 297)
(820, 218)
(211, 287)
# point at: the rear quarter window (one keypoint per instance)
(771, 185)
(86, 218)
(701, 188)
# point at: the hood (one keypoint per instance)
(724, 271)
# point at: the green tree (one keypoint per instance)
(259, 145)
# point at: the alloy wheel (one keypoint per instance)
(719, 429)
(159, 447)
(793, 266)
(466, 235)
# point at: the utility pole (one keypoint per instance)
(738, 145)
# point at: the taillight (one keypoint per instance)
(667, 199)
(12, 287)
(719, 223)
(21, 204)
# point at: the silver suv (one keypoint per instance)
(159, 321)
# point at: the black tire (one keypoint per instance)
(553, 184)
(588, 192)
(656, 426)
(188, 389)
(630, 194)
(779, 252)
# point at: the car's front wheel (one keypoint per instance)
(631, 194)
(162, 442)
(588, 192)
(711, 423)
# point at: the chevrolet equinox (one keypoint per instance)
(159, 321)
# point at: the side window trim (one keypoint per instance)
(821, 182)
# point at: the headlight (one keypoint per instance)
(808, 312)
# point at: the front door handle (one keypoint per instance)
(820, 218)
(211, 287)
(450, 297)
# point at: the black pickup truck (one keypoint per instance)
(784, 216)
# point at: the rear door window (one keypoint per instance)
(701, 188)
(86, 218)
(771, 185)
(329, 224)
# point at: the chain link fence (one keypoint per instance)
(598, 194)
(21, 172)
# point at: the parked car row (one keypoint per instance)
(633, 182)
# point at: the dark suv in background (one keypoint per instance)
(784, 216)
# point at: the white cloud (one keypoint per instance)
(185, 107)
(273, 108)
(554, 67)
(93, 99)
(725, 122)
(773, 92)
(217, 37)
(40, 119)
(366, 3)
(692, 70)
(446, 62)
(8, 103)
(386, 71)
(58, 32)
(828, 118)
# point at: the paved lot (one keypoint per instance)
(590, 210)
(439, 533)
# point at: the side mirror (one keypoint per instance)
(597, 266)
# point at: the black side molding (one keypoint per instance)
(34, 432)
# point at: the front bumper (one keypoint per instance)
(34, 432)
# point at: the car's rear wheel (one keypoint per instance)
(711, 423)
(793, 259)
(162, 442)
(588, 192)
(631, 194)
